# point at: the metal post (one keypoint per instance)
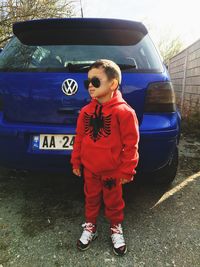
(81, 9)
(184, 80)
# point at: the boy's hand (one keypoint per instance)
(124, 181)
(77, 172)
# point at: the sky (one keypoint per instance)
(164, 19)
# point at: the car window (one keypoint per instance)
(140, 57)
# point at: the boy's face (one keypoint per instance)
(107, 87)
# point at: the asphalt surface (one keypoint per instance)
(41, 217)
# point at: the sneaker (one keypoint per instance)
(89, 234)
(119, 246)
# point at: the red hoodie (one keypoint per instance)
(107, 138)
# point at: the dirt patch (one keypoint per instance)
(189, 154)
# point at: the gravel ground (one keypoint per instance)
(41, 217)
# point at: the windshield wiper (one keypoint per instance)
(78, 67)
(127, 66)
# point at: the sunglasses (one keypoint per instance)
(94, 81)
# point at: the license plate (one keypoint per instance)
(53, 142)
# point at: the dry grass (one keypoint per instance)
(191, 125)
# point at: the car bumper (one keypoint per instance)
(159, 136)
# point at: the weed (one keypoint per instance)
(191, 125)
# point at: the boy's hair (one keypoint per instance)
(111, 69)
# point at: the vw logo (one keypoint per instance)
(69, 87)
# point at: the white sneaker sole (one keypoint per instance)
(93, 238)
(120, 254)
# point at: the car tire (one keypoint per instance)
(167, 174)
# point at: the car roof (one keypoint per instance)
(79, 31)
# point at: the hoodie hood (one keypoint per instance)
(98, 109)
(115, 100)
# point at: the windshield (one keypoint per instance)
(140, 57)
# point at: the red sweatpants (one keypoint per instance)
(96, 188)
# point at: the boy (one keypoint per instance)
(106, 145)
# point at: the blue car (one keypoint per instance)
(42, 69)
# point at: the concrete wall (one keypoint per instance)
(184, 69)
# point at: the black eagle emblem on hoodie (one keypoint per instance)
(97, 125)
